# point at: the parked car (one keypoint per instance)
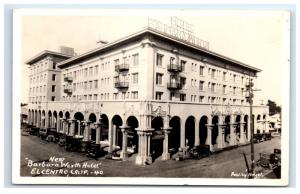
(34, 131)
(275, 134)
(258, 137)
(200, 151)
(72, 144)
(95, 151)
(268, 136)
(52, 135)
(44, 132)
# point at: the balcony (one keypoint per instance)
(68, 79)
(174, 68)
(68, 90)
(122, 67)
(174, 85)
(121, 85)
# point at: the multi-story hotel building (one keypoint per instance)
(154, 95)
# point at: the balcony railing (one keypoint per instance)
(68, 90)
(68, 79)
(174, 85)
(121, 85)
(174, 68)
(122, 67)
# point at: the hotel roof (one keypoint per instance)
(154, 32)
(44, 54)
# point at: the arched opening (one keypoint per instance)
(246, 118)
(227, 130)
(39, 118)
(79, 127)
(203, 129)
(238, 127)
(49, 119)
(133, 123)
(67, 117)
(174, 136)
(55, 119)
(43, 119)
(93, 120)
(117, 139)
(105, 128)
(215, 130)
(35, 118)
(190, 132)
(60, 116)
(156, 147)
(264, 117)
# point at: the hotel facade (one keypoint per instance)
(148, 95)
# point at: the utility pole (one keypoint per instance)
(250, 90)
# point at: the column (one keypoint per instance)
(38, 121)
(144, 157)
(166, 154)
(86, 131)
(124, 154)
(221, 133)
(98, 133)
(242, 133)
(197, 137)
(114, 136)
(182, 135)
(72, 127)
(110, 138)
(208, 138)
(46, 122)
(232, 134)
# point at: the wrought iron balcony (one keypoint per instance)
(121, 85)
(68, 90)
(174, 85)
(122, 67)
(68, 79)
(174, 68)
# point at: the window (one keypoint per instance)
(224, 89)
(74, 87)
(234, 78)
(201, 99)
(52, 98)
(213, 87)
(91, 71)
(182, 97)
(135, 78)
(172, 60)
(182, 82)
(159, 78)
(116, 61)
(96, 69)
(159, 59)
(96, 84)
(224, 76)
(213, 99)
(95, 96)
(90, 85)
(172, 95)
(85, 72)
(85, 85)
(201, 85)
(134, 95)
(182, 65)
(90, 97)
(115, 96)
(54, 65)
(234, 90)
(135, 59)
(201, 70)
(213, 73)
(158, 95)
(53, 77)
(53, 88)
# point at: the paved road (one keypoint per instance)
(220, 165)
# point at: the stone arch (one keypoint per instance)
(105, 127)
(43, 119)
(132, 123)
(203, 129)
(156, 147)
(55, 119)
(190, 131)
(174, 136)
(215, 130)
(117, 135)
(227, 134)
(79, 127)
(49, 118)
(246, 120)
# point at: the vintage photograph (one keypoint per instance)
(169, 94)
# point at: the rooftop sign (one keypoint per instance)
(178, 29)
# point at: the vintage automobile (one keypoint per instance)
(62, 140)
(52, 135)
(44, 133)
(258, 137)
(95, 151)
(72, 144)
(199, 152)
(267, 136)
(34, 131)
(271, 161)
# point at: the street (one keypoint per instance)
(219, 165)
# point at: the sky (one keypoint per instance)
(257, 38)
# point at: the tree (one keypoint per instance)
(273, 108)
